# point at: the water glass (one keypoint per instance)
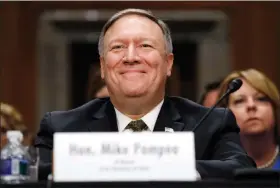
(34, 163)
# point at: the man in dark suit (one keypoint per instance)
(136, 58)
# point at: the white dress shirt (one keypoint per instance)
(150, 118)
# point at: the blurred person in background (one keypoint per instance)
(96, 85)
(256, 108)
(211, 93)
(11, 119)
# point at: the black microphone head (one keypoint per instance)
(234, 85)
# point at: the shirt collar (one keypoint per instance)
(150, 118)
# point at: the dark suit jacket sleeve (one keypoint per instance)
(44, 141)
(228, 154)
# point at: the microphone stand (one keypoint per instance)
(211, 109)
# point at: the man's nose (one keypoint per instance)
(131, 55)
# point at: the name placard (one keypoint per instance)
(124, 157)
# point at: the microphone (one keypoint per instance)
(233, 86)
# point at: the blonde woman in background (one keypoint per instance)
(11, 119)
(256, 108)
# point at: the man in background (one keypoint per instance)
(210, 95)
(96, 85)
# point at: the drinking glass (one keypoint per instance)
(33, 153)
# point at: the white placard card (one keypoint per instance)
(124, 157)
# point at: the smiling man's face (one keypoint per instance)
(135, 62)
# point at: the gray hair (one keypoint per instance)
(165, 30)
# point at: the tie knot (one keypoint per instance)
(137, 126)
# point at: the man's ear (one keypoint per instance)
(170, 59)
(101, 59)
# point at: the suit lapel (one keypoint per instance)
(104, 120)
(169, 117)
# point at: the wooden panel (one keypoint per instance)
(254, 38)
(18, 65)
(47, 5)
(9, 48)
